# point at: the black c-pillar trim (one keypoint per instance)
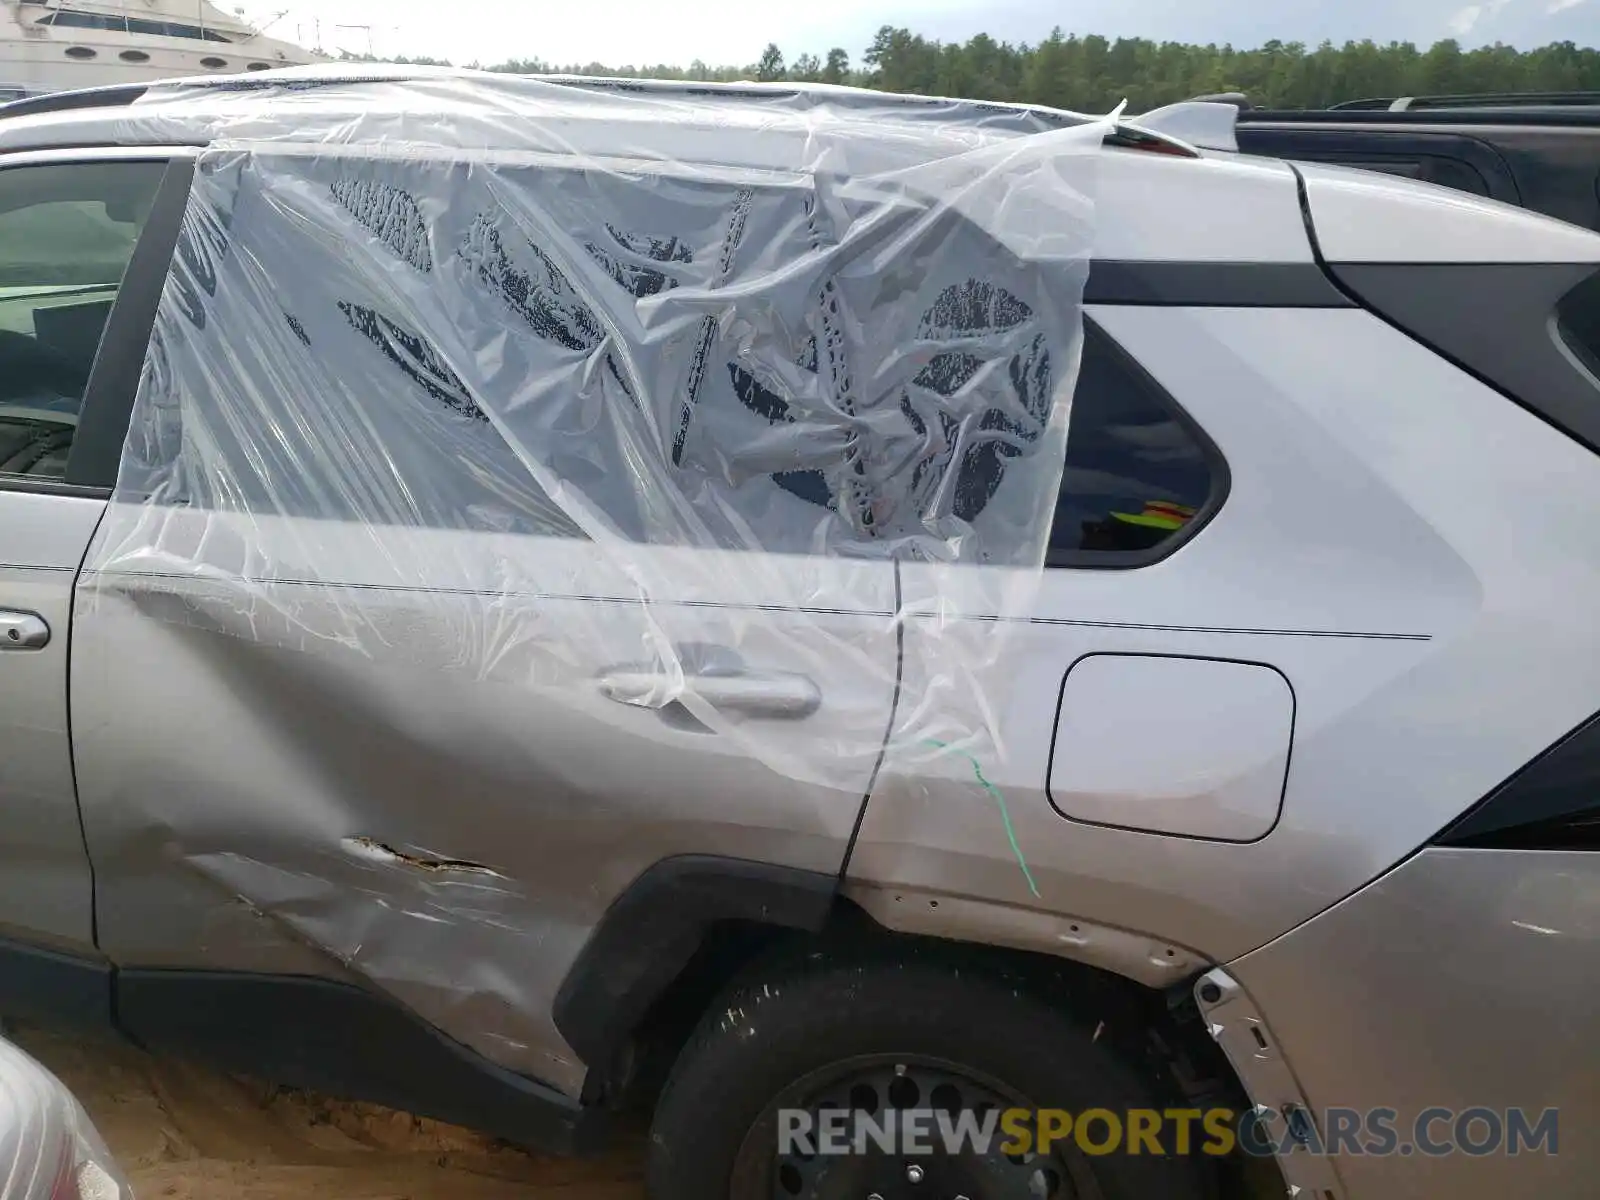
(1211, 285)
(651, 931)
(1494, 320)
(1553, 803)
(108, 400)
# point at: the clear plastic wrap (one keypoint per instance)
(49, 1148)
(516, 384)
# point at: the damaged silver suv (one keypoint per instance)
(938, 649)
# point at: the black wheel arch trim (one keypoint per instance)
(652, 930)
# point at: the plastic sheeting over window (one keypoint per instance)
(780, 324)
(627, 400)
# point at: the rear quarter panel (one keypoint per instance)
(1410, 549)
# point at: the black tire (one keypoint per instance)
(785, 1021)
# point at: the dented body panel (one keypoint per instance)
(507, 510)
(433, 804)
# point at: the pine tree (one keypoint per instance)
(771, 64)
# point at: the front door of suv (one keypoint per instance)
(84, 240)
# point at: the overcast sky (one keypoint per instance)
(678, 31)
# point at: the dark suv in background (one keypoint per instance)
(1537, 150)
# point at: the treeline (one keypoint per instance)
(1093, 73)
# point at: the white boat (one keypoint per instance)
(56, 45)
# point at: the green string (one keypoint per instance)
(1005, 813)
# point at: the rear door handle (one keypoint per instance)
(774, 695)
(22, 630)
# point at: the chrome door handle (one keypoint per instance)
(774, 695)
(22, 630)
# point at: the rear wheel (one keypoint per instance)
(795, 1062)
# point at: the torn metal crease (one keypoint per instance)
(376, 851)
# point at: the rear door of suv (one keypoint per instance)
(363, 705)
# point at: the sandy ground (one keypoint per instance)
(186, 1133)
(182, 1132)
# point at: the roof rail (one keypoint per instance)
(1237, 99)
(1376, 102)
(1476, 100)
(1126, 135)
(113, 96)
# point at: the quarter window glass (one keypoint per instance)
(66, 235)
(1137, 474)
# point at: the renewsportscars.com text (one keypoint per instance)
(1434, 1132)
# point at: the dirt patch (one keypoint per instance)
(184, 1132)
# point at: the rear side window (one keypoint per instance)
(1140, 476)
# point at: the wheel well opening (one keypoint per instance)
(1161, 1029)
(1160, 1033)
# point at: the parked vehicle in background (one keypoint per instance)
(1540, 151)
(1300, 719)
(49, 1148)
